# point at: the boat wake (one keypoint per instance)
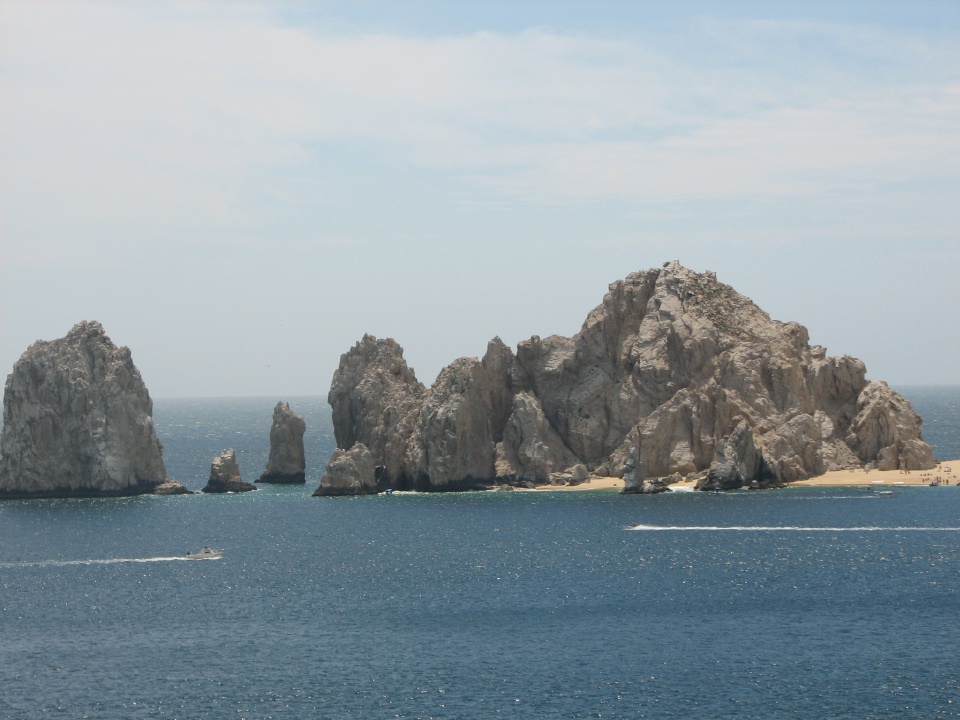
(104, 561)
(789, 528)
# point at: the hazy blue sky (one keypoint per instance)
(239, 191)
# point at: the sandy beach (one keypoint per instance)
(948, 472)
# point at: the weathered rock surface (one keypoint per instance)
(736, 463)
(349, 472)
(886, 431)
(531, 450)
(225, 475)
(171, 487)
(77, 421)
(286, 464)
(673, 368)
(376, 400)
(461, 420)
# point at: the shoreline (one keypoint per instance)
(948, 471)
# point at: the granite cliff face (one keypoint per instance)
(77, 421)
(673, 368)
(286, 464)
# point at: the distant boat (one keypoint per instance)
(885, 493)
(204, 553)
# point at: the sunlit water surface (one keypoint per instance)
(797, 603)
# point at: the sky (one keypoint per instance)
(239, 191)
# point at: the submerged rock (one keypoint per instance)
(673, 367)
(225, 475)
(77, 421)
(286, 464)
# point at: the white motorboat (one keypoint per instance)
(204, 553)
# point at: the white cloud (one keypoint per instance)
(225, 146)
(146, 112)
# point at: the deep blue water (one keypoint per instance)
(475, 605)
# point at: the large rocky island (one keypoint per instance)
(77, 422)
(674, 375)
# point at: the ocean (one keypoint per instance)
(794, 603)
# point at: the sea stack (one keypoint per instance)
(286, 464)
(77, 422)
(225, 475)
(674, 369)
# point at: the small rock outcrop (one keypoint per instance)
(349, 472)
(171, 487)
(286, 464)
(635, 481)
(673, 369)
(77, 421)
(225, 475)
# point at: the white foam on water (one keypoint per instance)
(105, 561)
(789, 528)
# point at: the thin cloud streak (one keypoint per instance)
(175, 122)
(189, 141)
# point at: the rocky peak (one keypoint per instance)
(286, 463)
(376, 400)
(77, 421)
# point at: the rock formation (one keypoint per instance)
(737, 462)
(349, 472)
(225, 475)
(453, 444)
(171, 487)
(77, 421)
(376, 401)
(673, 368)
(286, 464)
(635, 480)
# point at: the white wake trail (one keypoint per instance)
(790, 528)
(104, 561)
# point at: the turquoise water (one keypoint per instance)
(796, 603)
